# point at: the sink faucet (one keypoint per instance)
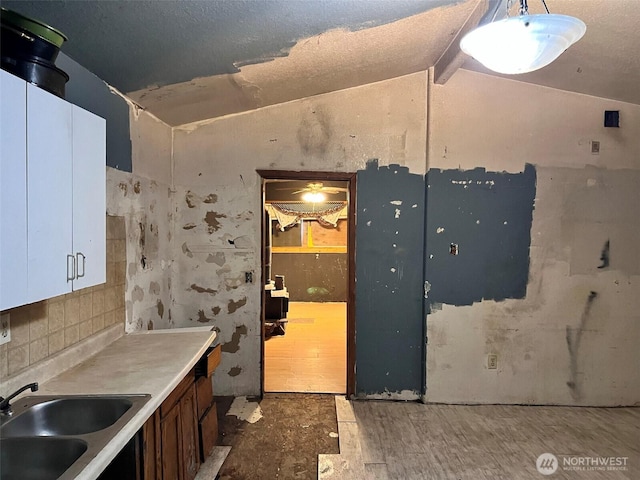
(5, 406)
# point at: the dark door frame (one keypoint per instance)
(351, 262)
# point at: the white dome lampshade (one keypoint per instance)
(522, 44)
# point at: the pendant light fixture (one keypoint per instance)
(524, 43)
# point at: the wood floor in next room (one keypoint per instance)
(413, 441)
(311, 356)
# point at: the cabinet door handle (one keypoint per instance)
(71, 272)
(84, 263)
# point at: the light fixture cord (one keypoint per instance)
(524, 8)
(545, 6)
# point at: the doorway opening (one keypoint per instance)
(308, 276)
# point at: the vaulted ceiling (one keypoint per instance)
(190, 60)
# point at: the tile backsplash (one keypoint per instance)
(42, 329)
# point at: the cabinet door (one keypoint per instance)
(49, 189)
(190, 444)
(170, 432)
(13, 191)
(89, 198)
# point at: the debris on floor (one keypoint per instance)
(286, 441)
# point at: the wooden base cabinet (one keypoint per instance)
(181, 433)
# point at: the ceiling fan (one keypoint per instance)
(320, 188)
(316, 192)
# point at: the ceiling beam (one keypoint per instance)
(453, 58)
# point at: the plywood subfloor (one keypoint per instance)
(406, 441)
(311, 357)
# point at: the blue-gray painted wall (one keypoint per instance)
(91, 93)
(488, 216)
(389, 273)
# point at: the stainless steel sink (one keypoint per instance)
(57, 436)
(38, 458)
(67, 416)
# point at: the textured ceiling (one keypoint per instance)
(190, 60)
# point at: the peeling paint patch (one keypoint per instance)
(234, 372)
(233, 306)
(124, 187)
(396, 202)
(405, 395)
(136, 187)
(211, 219)
(217, 258)
(211, 198)
(245, 410)
(202, 318)
(234, 344)
(137, 295)
(186, 251)
(154, 288)
(160, 307)
(604, 256)
(189, 226)
(150, 325)
(397, 214)
(190, 198)
(216, 310)
(199, 289)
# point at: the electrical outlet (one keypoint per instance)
(492, 361)
(5, 328)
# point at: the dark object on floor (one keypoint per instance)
(282, 445)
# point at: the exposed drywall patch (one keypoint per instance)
(488, 216)
(404, 395)
(573, 336)
(232, 306)
(154, 288)
(160, 307)
(234, 372)
(199, 289)
(218, 258)
(389, 281)
(211, 219)
(202, 318)
(186, 251)
(137, 295)
(234, 344)
(191, 199)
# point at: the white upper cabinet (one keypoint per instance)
(50, 194)
(53, 196)
(89, 194)
(13, 191)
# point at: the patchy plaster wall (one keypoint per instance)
(217, 160)
(573, 338)
(144, 199)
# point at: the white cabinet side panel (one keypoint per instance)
(49, 175)
(89, 198)
(13, 191)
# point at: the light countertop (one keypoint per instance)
(138, 363)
